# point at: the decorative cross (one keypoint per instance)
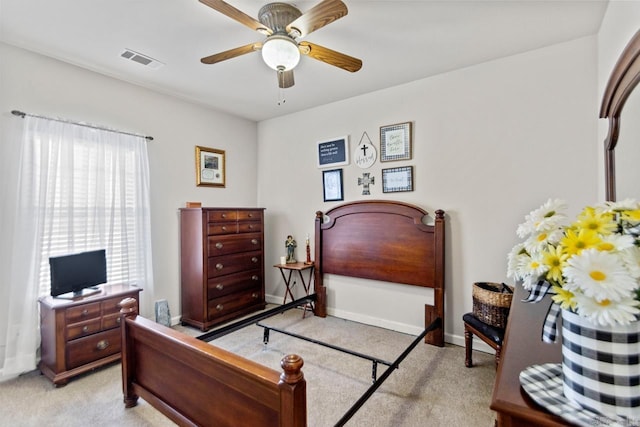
(365, 181)
(364, 149)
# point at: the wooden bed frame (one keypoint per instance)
(383, 240)
(194, 383)
(197, 384)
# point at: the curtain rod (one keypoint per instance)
(22, 114)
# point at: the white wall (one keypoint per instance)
(491, 142)
(40, 85)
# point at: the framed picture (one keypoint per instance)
(333, 152)
(397, 179)
(395, 142)
(332, 185)
(210, 167)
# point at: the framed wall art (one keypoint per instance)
(397, 179)
(332, 185)
(333, 152)
(210, 167)
(395, 142)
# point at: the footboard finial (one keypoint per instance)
(128, 306)
(292, 365)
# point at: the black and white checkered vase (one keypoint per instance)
(601, 365)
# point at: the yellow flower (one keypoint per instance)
(573, 243)
(554, 259)
(564, 298)
(596, 221)
(631, 215)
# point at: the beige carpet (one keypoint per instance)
(431, 387)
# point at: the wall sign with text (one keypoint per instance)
(333, 152)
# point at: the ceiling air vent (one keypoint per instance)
(141, 59)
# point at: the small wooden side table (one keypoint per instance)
(299, 267)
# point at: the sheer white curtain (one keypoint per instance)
(80, 188)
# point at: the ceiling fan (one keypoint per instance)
(283, 24)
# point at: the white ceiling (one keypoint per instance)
(398, 42)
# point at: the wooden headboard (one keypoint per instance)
(382, 240)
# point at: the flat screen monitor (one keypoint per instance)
(77, 274)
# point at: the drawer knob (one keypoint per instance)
(219, 307)
(224, 228)
(102, 344)
(250, 215)
(254, 277)
(219, 245)
(219, 286)
(250, 226)
(118, 320)
(85, 329)
(219, 266)
(85, 312)
(255, 295)
(254, 259)
(223, 215)
(254, 241)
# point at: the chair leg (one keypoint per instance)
(468, 346)
(498, 354)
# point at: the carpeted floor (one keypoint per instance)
(432, 387)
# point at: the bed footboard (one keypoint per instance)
(195, 383)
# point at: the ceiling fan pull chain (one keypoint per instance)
(281, 99)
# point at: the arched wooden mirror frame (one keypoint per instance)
(624, 78)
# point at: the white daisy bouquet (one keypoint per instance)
(591, 266)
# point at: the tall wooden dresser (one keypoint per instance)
(81, 334)
(222, 264)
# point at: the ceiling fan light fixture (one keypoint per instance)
(280, 53)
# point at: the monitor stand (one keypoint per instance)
(80, 294)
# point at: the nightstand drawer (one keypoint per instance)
(83, 312)
(76, 330)
(111, 321)
(111, 305)
(84, 350)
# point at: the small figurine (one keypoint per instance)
(308, 262)
(290, 244)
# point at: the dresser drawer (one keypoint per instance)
(82, 312)
(249, 227)
(250, 215)
(228, 304)
(229, 264)
(224, 245)
(87, 349)
(222, 215)
(225, 285)
(222, 228)
(76, 330)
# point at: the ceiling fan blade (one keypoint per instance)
(233, 13)
(317, 17)
(231, 53)
(285, 79)
(331, 57)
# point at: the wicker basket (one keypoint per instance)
(491, 303)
